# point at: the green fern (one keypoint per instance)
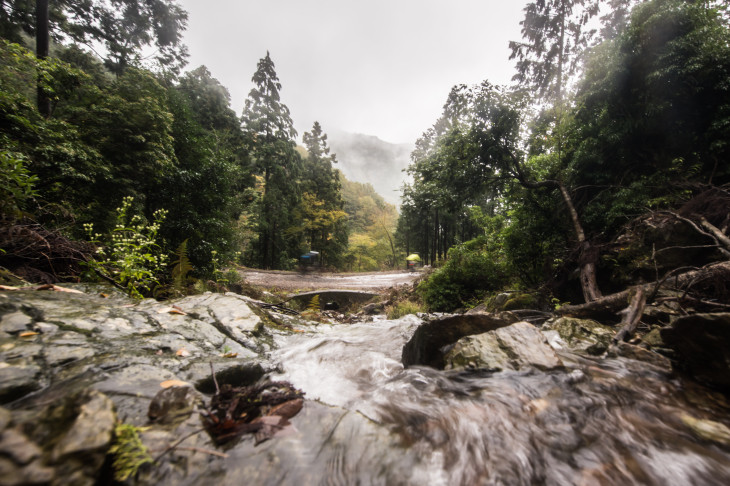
(128, 452)
(181, 267)
(314, 304)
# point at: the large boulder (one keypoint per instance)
(514, 347)
(579, 334)
(64, 443)
(424, 347)
(702, 346)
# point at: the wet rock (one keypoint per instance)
(63, 443)
(59, 355)
(479, 309)
(582, 334)
(514, 347)
(173, 405)
(702, 344)
(15, 322)
(373, 308)
(5, 417)
(424, 347)
(17, 380)
(708, 429)
(229, 313)
(631, 351)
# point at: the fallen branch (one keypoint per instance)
(632, 316)
(612, 304)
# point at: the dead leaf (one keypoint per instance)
(183, 352)
(288, 409)
(27, 334)
(8, 287)
(230, 355)
(104, 296)
(171, 310)
(171, 383)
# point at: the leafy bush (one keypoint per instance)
(131, 255)
(16, 184)
(471, 270)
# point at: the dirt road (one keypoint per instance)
(319, 281)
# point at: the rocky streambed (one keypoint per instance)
(92, 381)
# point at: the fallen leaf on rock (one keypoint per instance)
(183, 352)
(230, 355)
(27, 334)
(171, 310)
(104, 296)
(288, 409)
(171, 383)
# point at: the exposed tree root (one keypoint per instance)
(40, 255)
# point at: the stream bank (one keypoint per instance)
(525, 405)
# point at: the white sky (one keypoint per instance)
(378, 67)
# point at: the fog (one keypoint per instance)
(380, 68)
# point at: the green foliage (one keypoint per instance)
(469, 273)
(131, 254)
(371, 222)
(128, 452)
(181, 267)
(125, 28)
(314, 305)
(16, 185)
(403, 308)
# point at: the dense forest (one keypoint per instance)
(606, 158)
(152, 165)
(605, 164)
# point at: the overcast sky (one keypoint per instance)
(377, 67)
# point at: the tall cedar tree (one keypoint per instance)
(324, 218)
(270, 134)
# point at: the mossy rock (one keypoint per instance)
(521, 301)
(583, 334)
(9, 278)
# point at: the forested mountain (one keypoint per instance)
(369, 160)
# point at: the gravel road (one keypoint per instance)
(319, 281)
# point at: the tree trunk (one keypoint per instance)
(632, 315)
(588, 256)
(41, 48)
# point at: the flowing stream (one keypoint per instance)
(595, 421)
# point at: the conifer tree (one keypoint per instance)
(323, 212)
(270, 134)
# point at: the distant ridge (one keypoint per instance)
(368, 159)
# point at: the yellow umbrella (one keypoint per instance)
(413, 258)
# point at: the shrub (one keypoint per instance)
(403, 308)
(470, 271)
(131, 255)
